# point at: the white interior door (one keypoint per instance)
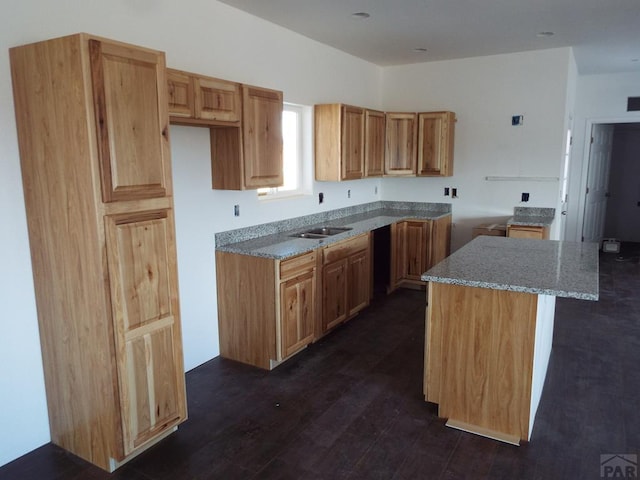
(595, 207)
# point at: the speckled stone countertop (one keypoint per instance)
(274, 240)
(532, 217)
(549, 267)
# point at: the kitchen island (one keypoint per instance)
(489, 328)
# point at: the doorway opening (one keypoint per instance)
(612, 194)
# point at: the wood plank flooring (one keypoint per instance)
(351, 406)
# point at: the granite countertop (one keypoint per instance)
(263, 242)
(532, 217)
(549, 267)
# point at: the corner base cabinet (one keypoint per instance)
(93, 134)
(416, 246)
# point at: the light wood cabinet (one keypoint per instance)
(435, 144)
(400, 146)
(93, 134)
(250, 157)
(339, 142)
(200, 100)
(374, 133)
(528, 231)
(416, 246)
(346, 280)
(262, 137)
(245, 125)
(280, 316)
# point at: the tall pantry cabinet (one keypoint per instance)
(93, 134)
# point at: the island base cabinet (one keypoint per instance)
(480, 366)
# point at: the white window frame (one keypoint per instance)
(303, 155)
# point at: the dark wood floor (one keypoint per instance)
(351, 406)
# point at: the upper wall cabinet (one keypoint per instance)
(339, 142)
(200, 100)
(374, 133)
(262, 137)
(250, 157)
(435, 144)
(245, 124)
(400, 151)
(353, 142)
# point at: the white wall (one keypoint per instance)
(600, 99)
(485, 92)
(202, 36)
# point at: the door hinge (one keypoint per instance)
(591, 139)
(587, 190)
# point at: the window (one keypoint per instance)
(296, 141)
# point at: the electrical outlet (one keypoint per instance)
(517, 120)
(348, 193)
(454, 193)
(524, 197)
(236, 210)
(446, 191)
(320, 197)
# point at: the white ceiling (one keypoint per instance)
(605, 34)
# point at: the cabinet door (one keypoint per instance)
(435, 144)
(400, 150)
(352, 143)
(359, 281)
(130, 102)
(440, 247)
(143, 278)
(297, 312)
(374, 143)
(417, 244)
(262, 137)
(334, 294)
(180, 93)
(217, 99)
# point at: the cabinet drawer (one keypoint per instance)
(525, 231)
(297, 265)
(345, 248)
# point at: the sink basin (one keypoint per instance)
(321, 232)
(328, 230)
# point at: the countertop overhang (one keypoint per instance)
(549, 267)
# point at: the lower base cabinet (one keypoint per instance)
(346, 280)
(267, 308)
(416, 246)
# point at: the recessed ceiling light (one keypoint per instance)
(635, 59)
(360, 15)
(420, 50)
(544, 34)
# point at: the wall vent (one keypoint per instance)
(633, 104)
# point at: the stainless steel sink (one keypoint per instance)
(321, 232)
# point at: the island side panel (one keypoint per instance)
(542, 352)
(246, 308)
(486, 358)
